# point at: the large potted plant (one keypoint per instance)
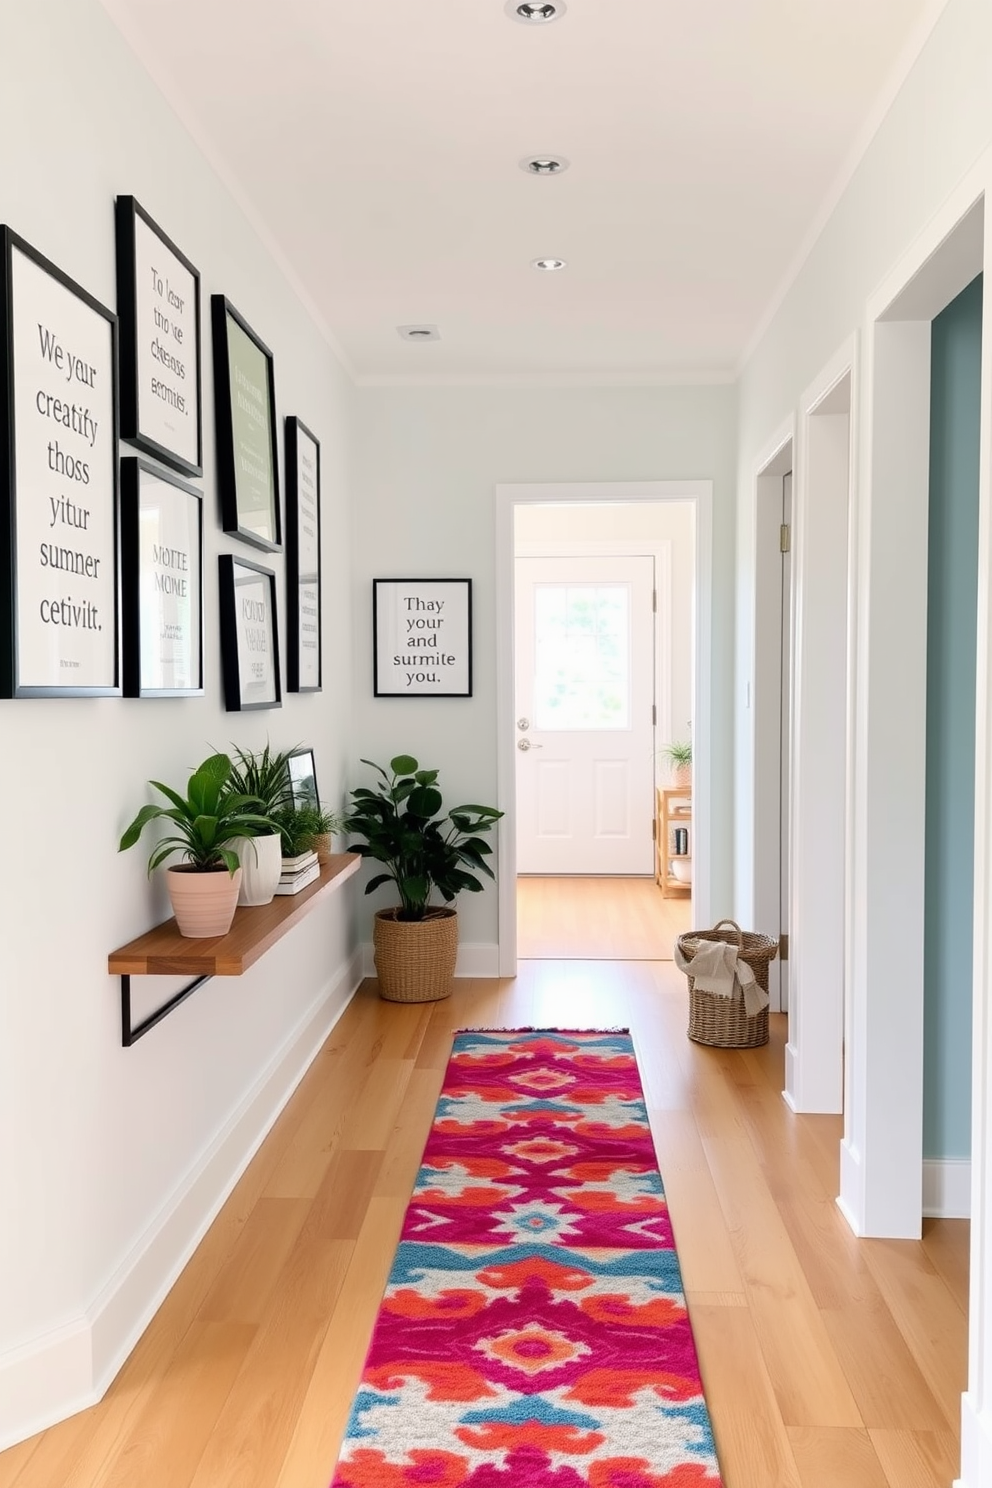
(207, 821)
(264, 775)
(422, 849)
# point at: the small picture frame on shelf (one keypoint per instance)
(161, 582)
(158, 305)
(422, 637)
(249, 635)
(303, 576)
(245, 411)
(59, 591)
(302, 778)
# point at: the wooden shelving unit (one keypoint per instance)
(164, 952)
(674, 809)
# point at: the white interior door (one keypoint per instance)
(584, 669)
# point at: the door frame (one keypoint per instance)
(508, 497)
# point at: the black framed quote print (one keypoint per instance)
(249, 635)
(303, 654)
(245, 410)
(59, 604)
(161, 582)
(422, 637)
(158, 304)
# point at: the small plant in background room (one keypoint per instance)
(679, 757)
(207, 823)
(421, 849)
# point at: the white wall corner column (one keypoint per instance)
(881, 1167)
(976, 1403)
(814, 1063)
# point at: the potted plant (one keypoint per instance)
(421, 849)
(679, 757)
(264, 775)
(308, 828)
(207, 821)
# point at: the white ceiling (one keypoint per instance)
(379, 140)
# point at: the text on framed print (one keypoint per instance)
(249, 635)
(422, 637)
(158, 302)
(303, 651)
(58, 407)
(162, 585)
(245, 407)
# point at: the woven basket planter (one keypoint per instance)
(723, 1021)
(415, 959)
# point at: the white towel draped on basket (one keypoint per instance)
(716, 967)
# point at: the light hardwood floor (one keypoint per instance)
(612, 919)
(828, 1362)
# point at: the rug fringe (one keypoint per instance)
(543, 1029)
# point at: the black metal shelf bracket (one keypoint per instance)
(131, 1035)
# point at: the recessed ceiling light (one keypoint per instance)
(419, 332)
(547, 265)
(535, 12)
(544, 165)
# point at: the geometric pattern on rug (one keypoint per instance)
(534, 1331)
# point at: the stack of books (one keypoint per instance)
(298, 872)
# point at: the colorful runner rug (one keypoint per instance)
(534, 1331)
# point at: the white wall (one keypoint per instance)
(429, 461)
(905, 195)
(101, 1146)
(936, 129)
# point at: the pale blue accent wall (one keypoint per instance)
(952, 597)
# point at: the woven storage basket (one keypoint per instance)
(415, 959)
(723, 1021)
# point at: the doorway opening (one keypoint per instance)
(590, 686)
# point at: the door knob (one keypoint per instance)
(526, 744)
(523, 723)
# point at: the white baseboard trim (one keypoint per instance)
(947, 1188)
(850, 1200)
(976, 1445)
(791, 1066)
(477, 959)
(65, 1371)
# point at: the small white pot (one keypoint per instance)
(261, 865)
(682, 870)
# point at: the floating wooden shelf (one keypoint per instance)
(164, 952)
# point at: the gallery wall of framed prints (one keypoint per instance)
(303, 576)
(245, 411)
(102, 551)
(158, 303)
(59, 612)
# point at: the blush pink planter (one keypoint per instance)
(203, 903)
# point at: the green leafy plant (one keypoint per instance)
(422, 849)
(679, 755)
(209, 817)
(263, 774)
(300, 826)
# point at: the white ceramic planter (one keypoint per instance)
(261, 865)
(203, 903)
